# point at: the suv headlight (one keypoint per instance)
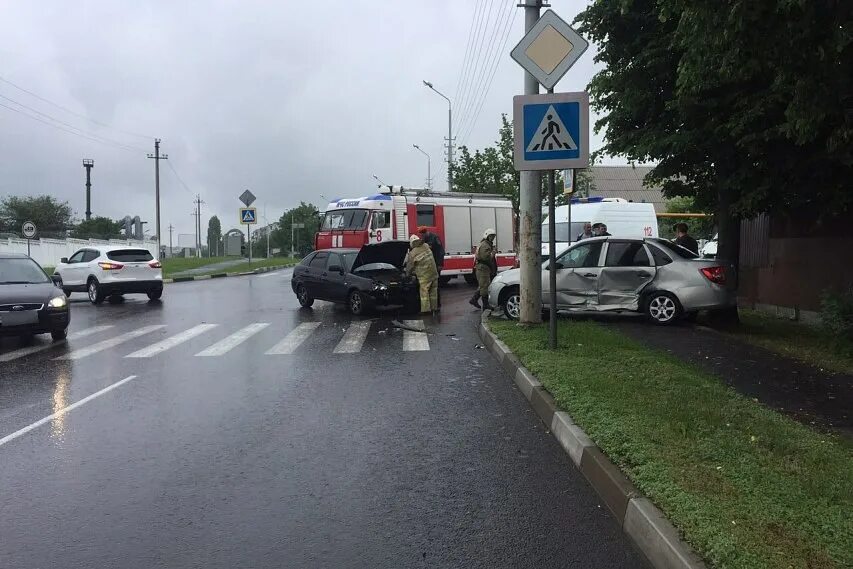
(58, 302)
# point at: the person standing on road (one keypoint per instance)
(684, 239)
(587, 232)
(434, 243)
(421, 263)
(485, 267)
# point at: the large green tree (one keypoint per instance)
(52, 217)
(98, 228)
(744, 106)
(214, 236)
(306, 214)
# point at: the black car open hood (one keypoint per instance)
(391, 252)
(27, 293)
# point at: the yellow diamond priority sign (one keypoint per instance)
(549, 49)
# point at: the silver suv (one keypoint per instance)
(651, 275)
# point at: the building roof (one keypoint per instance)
(626, 182)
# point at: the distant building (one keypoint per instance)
(261, 232)
(626, 182)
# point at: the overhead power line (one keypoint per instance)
(180, 181)
(76, 114)
(465, 59)
(471, 86)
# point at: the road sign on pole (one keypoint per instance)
(248, 215)
(551, 131)
(29, 229)
(549, 49)
(248, 198)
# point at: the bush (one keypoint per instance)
(836, 312)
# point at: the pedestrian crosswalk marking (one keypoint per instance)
(354, 338)
(415, 341)
(14, 355)
(110, 343)
(171, 342)
(293, 340)
(227, 344)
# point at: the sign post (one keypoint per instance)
(248, 217)
(292, 227)
(29, 231)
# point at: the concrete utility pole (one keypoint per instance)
(198, 202)
(88, 164)
(429, 166)
(530, 210)
(171, 228)
(157, 157)
(449, 136)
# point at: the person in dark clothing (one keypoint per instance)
(434, 243)
(600, 230)
(684, 240)
(587, 232)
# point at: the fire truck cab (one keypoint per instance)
(395, 213)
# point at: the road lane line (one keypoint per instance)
(63, 411)
(14, 355)
(171, 342)
(292, 341)
(227, 344)
(354, 338)
(111, 343)
(415, 341)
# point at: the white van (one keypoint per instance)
(623, 218)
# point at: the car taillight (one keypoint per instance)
(715, 274)
(110, 266)
(155, 264)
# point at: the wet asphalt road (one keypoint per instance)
(381, 457)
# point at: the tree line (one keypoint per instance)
(53, 219)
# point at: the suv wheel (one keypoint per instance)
(96, 295)
(305, 299)
(155, 294)
(512, 304)
(663, 308)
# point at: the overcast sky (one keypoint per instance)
(294, 100)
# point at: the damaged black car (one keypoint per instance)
(360, 278)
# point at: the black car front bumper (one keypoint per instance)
(48, 321)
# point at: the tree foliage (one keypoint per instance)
(214, 235)
(743, 105)
(98, 228)
(52, 217)
(305, 213)
(698, 227)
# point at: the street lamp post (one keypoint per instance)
(449, 135)
(429, 167)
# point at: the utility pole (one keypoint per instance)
(530, 210)
(429, 167)
(171, 228)
(157, 157)
(449, 134)
(88, 164)
(198, 202)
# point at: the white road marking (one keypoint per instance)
(63, 411)
(415, 341)
(292, 341)
(227, 344)
(9, 356)
(171, 342)
(270, 274)
(354, 338)
(111, 343)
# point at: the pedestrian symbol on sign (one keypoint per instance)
(551, 135)
(247, 215)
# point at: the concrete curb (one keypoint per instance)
(257, 271)
(644, 523)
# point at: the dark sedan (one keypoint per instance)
(360, 278)
(30, 302)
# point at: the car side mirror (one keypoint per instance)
(558, 265)
(336, 269)
(64, 260)
(57, 280)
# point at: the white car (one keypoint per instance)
(102, 271)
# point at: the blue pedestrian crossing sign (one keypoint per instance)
(551, 131)
(248, 215)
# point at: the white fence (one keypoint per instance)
(47, 252)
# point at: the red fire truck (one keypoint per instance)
(395, 213)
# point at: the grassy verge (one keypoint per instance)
(256, 264)
(810, 344)
(747, 487)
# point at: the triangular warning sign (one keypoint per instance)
(248, 216)
(551, 136)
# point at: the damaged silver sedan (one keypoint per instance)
(652, 276)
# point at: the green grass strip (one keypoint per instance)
(747, 487)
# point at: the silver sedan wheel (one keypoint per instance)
(662, 309)
(512, 306)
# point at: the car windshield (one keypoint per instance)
(345, 219)
(21, 271)
(675, 249)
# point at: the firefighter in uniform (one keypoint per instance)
(485, 268)
(421, 263)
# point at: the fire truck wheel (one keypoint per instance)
(471, 279)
